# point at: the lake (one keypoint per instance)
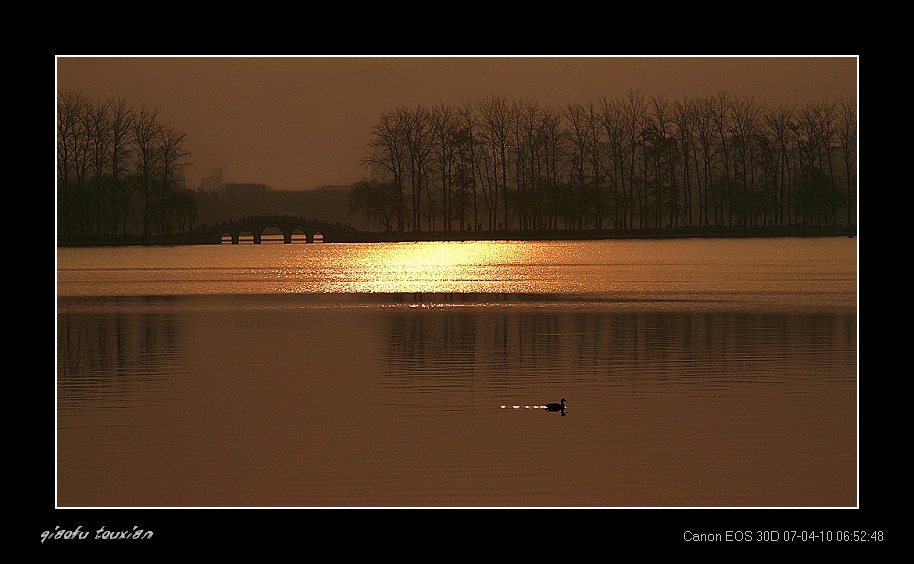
(697, 373)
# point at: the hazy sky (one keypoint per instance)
(301, 122)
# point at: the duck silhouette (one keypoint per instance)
(556, 406)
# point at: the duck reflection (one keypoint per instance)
(547, 407)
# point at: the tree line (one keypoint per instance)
(626, 163)
(120, 171)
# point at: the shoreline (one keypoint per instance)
(516, 235)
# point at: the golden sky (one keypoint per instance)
(300, 122)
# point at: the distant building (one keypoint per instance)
(213, 182)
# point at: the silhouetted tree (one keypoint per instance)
(531, 134)
(815, 129)
(106, 153)
(713, 161)
(468, 161)
(120, 123)
(71, 160)
(847, 141)
(445, 129)
(743, 132)
(594, 195)
(173, 155)
(378, 200)
(146, 130)
(496, 116)
(720, 108)
(419, 144)
(95, 125)
(576, 117)
(611, 118)
(781, 140)
(685, 116)
(389, 158)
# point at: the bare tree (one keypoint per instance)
(173, 160)
(705, 156)
(779, 124)
(721, 107)
(847, 141)
(585, 136)
(146, 130)
(469, 165)
(579, 130)
(611, 118)
(531, 134)
(556, 142)
(445, 128)
(664, 150)
(71, 163)
(744, 128)
(376, 199)
(389, 154)
(105, 152)
(685, 114)
(596, 156)
(417, 134)
(632, 114)
(496, 119)
(96, 126)
(120, 123)
(818, 198)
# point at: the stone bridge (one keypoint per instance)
(289, 225)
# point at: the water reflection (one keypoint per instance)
(109, 359)
(435, 349)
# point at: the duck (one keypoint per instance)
(556, 406)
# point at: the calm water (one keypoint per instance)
(698, 373)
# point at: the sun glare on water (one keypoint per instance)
(438, 267)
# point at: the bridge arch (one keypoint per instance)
(299, 235)
(235, 236)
